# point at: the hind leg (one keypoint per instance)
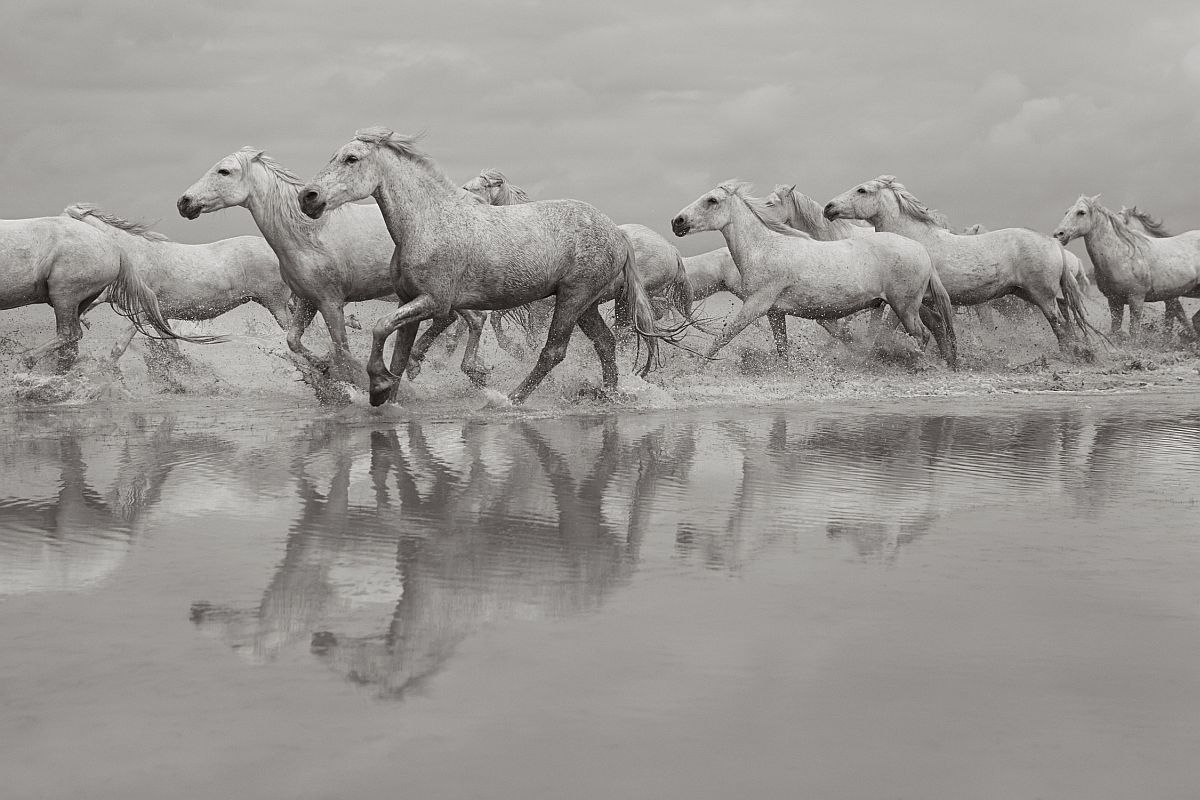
(122, 344)
(1116, 312)
(471, 366)
(1175, 313)
(778, 322)
(566, 315)
(940, 328)
(506, 342)
(1136, 305)
(66, 341)
(416, 356)
(302, 317)
(593, 327)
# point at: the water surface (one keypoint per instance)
(935, 599)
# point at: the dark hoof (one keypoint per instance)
(381, 391)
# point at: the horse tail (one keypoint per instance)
(679, 291)
(131, 297)
(641, 313)
(945, 309)
(1076, 315)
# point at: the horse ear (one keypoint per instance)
(791, 189)
(1094, 198)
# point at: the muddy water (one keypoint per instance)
(935, 599)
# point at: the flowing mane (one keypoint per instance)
(909, 205)
(1153, 226)
(506, 193)
(758, 207)
(799, 206)
(280, 194)
(80, 211)
(406, 148)
(1134, 240)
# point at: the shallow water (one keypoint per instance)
(935, 599)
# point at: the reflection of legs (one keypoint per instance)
(405, 319)
(755, 306)
(593, 327)
(778, 323)
(566, 314)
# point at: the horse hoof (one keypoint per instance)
(381, 392)
(413, 371)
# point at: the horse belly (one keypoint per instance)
(815, 303)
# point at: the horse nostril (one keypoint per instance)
(311, 196)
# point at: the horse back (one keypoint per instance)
(49, 256)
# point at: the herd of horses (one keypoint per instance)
(484, 250)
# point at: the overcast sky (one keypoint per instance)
(1001, 115)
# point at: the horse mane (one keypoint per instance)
(1126, 234)
(975, 229)
(80, 211)
(280, 195)
(758, 207)
(406, 148)
(1153, 226)
(909, 205)
(507, 194)
(800, 206)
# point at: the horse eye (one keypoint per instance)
(1079, 213)
(712, 201)
(352, 159)
(861, 190)
(222, 171)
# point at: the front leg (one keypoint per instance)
(754, 306)
(417, 356)
(343, 366)
(1136, 303)
(409, 315)
(778, 323)
(302, 317)
(1116, 313)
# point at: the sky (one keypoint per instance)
(1002, 114)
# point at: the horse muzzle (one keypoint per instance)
(830, 212)
(312, 203)
(1062, 237)
(680, 226)
(188, 208)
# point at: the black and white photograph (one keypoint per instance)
(557, 400)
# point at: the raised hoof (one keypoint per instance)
(413, 370)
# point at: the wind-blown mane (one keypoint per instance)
(798, 205)
(80, 211)
(406, 148)
(280, 195)
(910, 206)
(758, 207)
(1126, 234)
(506, 194)
(1154, 227)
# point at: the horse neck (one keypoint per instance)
(891, 220)
(807, 217)
(409, 197)
(744, 233)
(284, 228)
(1104, 246)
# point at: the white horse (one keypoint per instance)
(1154, 228)
(658, 261)
(974, 269)
(327, 263)
(67, 265)
(194, 281)
(788, 271)
(1131, 268)
(454, 252)
(1075, 264)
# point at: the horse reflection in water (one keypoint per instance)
(78, 537)
(465, 526)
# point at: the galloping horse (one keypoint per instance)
(67, 265)
(1154, 228)
(454, 252)
(194, 281)
(974, 269)
(1133, 269)
(658, 261)
(786, 270)
(326, 263)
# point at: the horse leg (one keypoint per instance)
(778, 322)
(1116, 311)
(409, 315)
(122, 344)
(593, 327)
(876, 323)
(932, 319)
(302, 317)
(277, 305)
(1196, 323)
(912, 319)
(566, 315)
(1049, 308)
(1136, 302)
(753, 307)
(343, 366)
(470, 363)
(66, 341)
(432, 331)
(1175, 313)
(496, 318)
